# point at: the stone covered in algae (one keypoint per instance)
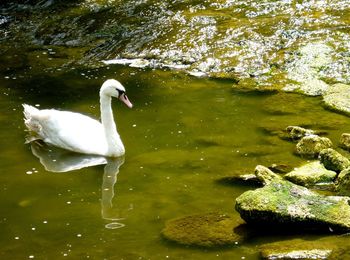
(312, 145)
(345, 141)
(208, 230)
(297, 132)
(296, 249)
(311, 174)
(343, 182)
(281, 202)
(333, 160)
(337, 98)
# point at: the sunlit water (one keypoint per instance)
(182, 135)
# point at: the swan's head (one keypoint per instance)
(113, 88)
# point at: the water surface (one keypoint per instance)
(182, 135)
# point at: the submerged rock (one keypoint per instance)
(281, 202)
(345, 141)
(246, 179)
(296, 249)
(280, 168)
(311, 174)
(312, 145)
(209, 230)
(333, 160)
(296, 132)
(337, 98)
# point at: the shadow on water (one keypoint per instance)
(58, 160)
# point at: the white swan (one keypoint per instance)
(77, 132)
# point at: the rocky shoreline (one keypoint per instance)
(312, 198)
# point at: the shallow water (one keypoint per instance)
(182, 135)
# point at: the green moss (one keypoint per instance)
(281, 202)
(311, 145)
(311, 174)
(296, 249)
(209, 230)
(333, 160)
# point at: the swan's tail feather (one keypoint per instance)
(33, 125)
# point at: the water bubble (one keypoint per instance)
(29, 172)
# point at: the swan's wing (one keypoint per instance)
(72, 131)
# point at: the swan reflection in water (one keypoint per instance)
(59, 160)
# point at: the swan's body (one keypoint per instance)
(77, 132)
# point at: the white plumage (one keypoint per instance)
(77, 132)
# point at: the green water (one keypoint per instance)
(182, 135)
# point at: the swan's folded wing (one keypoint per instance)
(73, 131)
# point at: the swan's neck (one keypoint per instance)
(114, 143)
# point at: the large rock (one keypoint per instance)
(333, 160)
(311, 174)
(281, 202)
(345, 141)
(209, 230)
(337, 98)
(311, 145)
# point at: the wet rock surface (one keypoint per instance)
(333, 160)
(343, 182)
(240, 40)
(296, 249)
(311, 174)
(310, 146)
(281, 202)
(345, 141)
(295, 133)
(337, 98)
(208, 230)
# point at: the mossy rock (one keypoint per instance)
(343, 182)
(345, 141)
(296, 132)
(296, 249)
(208, 230)
(281, 202)
(337, 98)
(311, 174)
(333, 160)
(310, 146)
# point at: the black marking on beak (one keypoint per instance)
(120, 92)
